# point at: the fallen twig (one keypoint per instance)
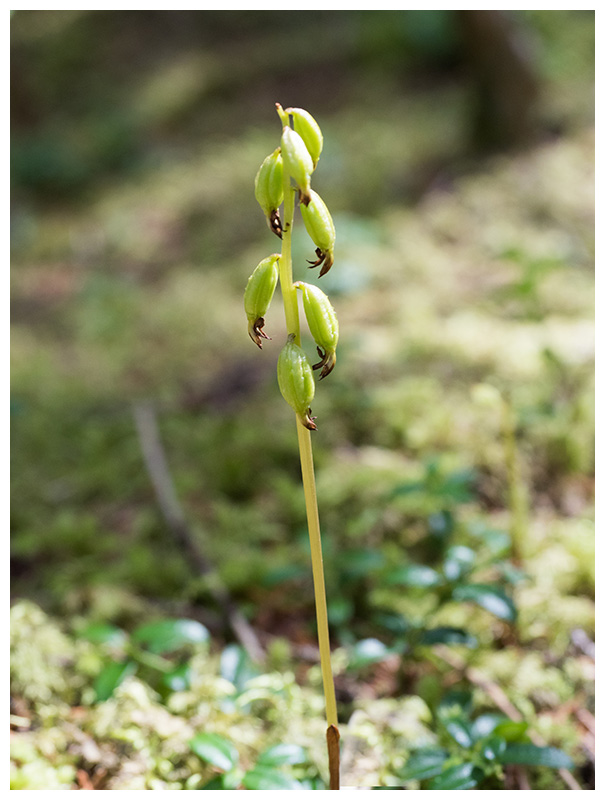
(157, 467)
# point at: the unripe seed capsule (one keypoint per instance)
(258, 295)
(309, 131)
(297, 162)
(296, 383)
(269, 189)
(323, 325)
(320, 227)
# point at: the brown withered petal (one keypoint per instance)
(255, 331)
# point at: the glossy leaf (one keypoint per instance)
(485, 725)
(236, 666)
(179, 679)
(167, 635)
(458, 562)
(423, 764)
(268, 778)
(460, 731)
(488, 596)
(215, 750)
(511, 731)
(103, 633)
(462, 776)
(532, 755)
(416, 575)
(282, 754)
(446, 635)
(111, 677)
(493, 748)
(368, 651)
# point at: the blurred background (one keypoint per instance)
(155, 469)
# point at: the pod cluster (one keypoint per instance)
(289, 167)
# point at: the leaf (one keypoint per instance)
(454, 703)
(267, 778)
(488, 596)
(340, 611)
(492, 748)
(423, 764)
(282, 754)
(462, 776)
(485, 724)
(394, 623)
(236, 666)
(103, 633)
(179, 680)
(441, 524)
(368, 651)
(532, 755)
(167, 635)
(458, 562)
(446, 635)
(357, 563)
(111, 677)
(460, 731)
(416, 575)
(215, 750)
(511, 731)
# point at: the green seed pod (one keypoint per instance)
(319, 225)
(296, 382)
(323, 325)
(309, 131)
(269, 189)
(297, 162)
(258, 295)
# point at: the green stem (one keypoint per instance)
(306, 461)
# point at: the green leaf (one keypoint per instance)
(488, 596)
(215, 749)
(167, 635)
(282, 754)
(268, 778)
(357, 563)
(179, 680)
(111, 677)
(368, 651)
(458, 562)
(462, 776)
(447, 635)
(236, 666)
(460, 731)
(485, 724)
(532, 755)
(423, 764)
(214, 783)
(103, 633)
(492, 748)
(340, 611)
(511, 731)
(416, 575)
(455, 703)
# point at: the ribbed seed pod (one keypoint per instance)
(269, 189)
(258, 295)
(296, 383)
(308, 130)
(297, 162)
(323, 325)
(319, 225)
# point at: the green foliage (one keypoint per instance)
(475, 749)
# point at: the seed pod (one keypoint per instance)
(319, 225)
(296, 382)
(269, 189)
(258, 295)
(323, 325)
(297, 162)
(309, 131)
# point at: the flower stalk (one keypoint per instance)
(300, 153)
